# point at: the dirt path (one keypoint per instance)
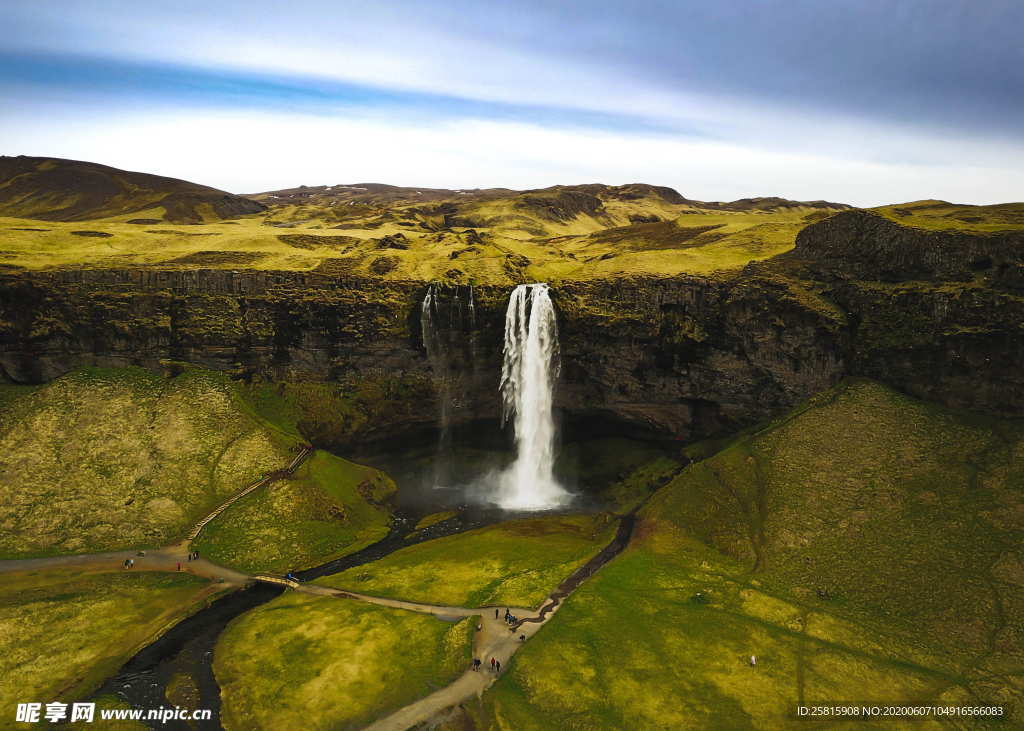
(495, 640)
(438, 610)
(160, 559)
(269, 479)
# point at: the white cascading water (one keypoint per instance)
(528, 376)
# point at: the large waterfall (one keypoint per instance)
(528, 376)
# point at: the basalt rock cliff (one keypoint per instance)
(936, 315)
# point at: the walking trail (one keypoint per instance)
(494, 639)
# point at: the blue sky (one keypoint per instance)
(865, 102)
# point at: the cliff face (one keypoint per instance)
(677, 356)
(934, 313)
(681, 356)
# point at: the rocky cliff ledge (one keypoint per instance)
(936, 315)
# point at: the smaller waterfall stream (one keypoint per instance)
(448, 330)
(528, 376)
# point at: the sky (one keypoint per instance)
(858, 101)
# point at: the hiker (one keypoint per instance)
(125, 564)
(753, 661)
(479, 627)
(476, 664)
(196, 554)
(495, 612)
(522, 638)
(497, 667)
(131, 563)
(492, 663)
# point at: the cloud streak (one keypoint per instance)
(867, 102)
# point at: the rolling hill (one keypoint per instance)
(492, 235)
(52, 189)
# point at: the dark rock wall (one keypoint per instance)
(684, 356)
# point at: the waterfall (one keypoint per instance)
(437, 356)
(448, 329)
(528, 376)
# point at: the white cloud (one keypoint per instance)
(253, 151)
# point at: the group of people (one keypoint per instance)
(509, 617)
(495, 665)
(129, 562)
(193, 555)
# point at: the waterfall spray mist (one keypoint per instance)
(528, 376)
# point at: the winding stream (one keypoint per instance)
(187, 648)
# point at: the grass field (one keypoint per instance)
(510, 241)
(940, 215)
(329, 508)
(865, 548)
(516, 563)
(63, 632)
(102, 459)
(314, 662)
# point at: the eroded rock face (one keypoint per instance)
(864, 245)
(684, 357)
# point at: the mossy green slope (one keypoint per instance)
(866, 548)
(103, 459)
(63, 632)
(330, 507)
(315, 662)
(53, 189)
(496, 237)
(517, 563)
(942, 215)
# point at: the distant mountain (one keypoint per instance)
(772, 203)
(375, 194)
(53, 189)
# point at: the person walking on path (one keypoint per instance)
(495, 612)
(476, 664)
(492, 663)
(497, 667)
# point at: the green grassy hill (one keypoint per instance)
(484, 236)
(103, 459)
(941, 215)
(51, 189)
(311, 662)
(517, 563)
(330, 507)
(62, 632)
(500, 236)
(866, 548)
